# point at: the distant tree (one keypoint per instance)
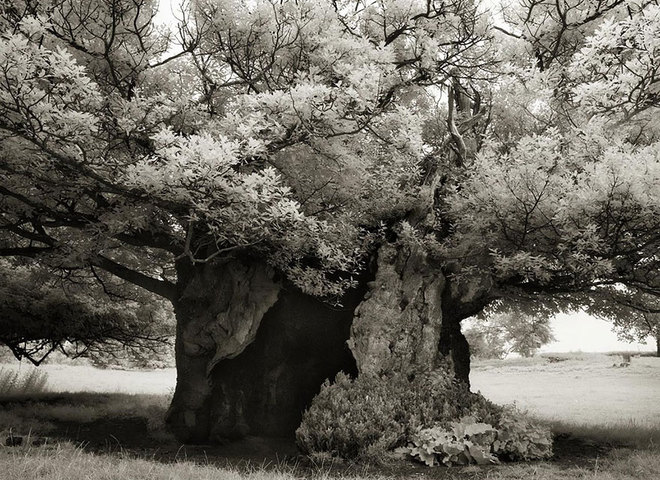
(638, 327)
(504, 333)
(635, 315)
(486, 341)
(41, 313)
(526, 334)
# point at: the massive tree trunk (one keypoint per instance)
(252, 353)
(218, 308)
(657, 345)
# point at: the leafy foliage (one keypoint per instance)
(639, 326)
(289, 132)
(520, 439)
(635, 314)
(468, 441)
(39, 316)
(373, 418)
(368, 417)
(348, 422)
(522, 151)
(486, 342)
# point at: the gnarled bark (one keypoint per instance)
(410, 318)
(300, 344)
(219, 308)
(397, 327)
(251, 354)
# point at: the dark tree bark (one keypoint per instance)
(300, 344)
(250, 353)
(218, 308)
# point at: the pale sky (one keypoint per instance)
(581, 332)
(166, 9)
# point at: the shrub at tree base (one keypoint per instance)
(470, 441)
(518, 438)
(372, 418)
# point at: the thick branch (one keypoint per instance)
(453, 130)
(160, 287)
(23, 251)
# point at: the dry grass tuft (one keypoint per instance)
(17, 383)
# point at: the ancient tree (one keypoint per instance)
(325, 185)
(639, 325)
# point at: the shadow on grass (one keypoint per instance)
(132, 425)
(619, 435)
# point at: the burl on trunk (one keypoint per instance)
(252, 352)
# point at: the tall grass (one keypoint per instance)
(14, 383)
(41, 414)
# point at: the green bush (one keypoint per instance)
(429, 416)
(369, 417)
(349, 418)
(469, 441)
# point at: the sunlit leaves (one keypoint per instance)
(620, 66)
(46, 92)
(291, 131)
(546, 216)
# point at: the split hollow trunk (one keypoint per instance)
(218, 310)
(251, 354)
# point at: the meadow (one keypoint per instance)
(107, 424)
(578, 388)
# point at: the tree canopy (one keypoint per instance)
(520, 149)
(635, 315)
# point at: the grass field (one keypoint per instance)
(583, 389)
(84, 378)
(607, 419)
